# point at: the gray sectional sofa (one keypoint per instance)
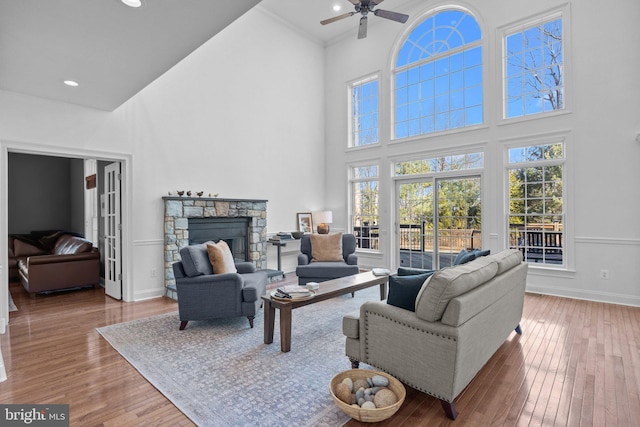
(463, 314)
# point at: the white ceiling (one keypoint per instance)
(114, 51)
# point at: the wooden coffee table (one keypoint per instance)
(327, 290)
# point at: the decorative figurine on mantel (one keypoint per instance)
(189, 193)
(200, 193)
(181, 193)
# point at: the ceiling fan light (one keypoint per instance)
(132, 3)
(71, 83)
(337, 7)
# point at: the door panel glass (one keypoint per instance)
(434, 226)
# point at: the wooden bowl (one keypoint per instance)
(368, 415)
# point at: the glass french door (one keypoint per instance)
(437, 218)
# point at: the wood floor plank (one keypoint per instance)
(576, 363)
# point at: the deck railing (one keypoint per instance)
(416, 237)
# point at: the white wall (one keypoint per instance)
(238, 117)
(599, 128)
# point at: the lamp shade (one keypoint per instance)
(324, 217)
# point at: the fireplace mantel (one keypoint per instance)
(178, 210)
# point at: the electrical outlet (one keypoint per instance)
(153, 272)
(604, 274)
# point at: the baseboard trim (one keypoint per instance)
(605, 297)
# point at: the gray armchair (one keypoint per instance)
(204, 295)
(321, 271)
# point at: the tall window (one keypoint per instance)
(534, 68)
(438, 76)
(536, 204)
(364, 112)
(365, 201)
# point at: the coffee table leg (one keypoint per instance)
(269, 321)
(383, 290)
(285, 328)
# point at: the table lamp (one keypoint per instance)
(323, 219)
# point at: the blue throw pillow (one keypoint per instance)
(403, 290)
(464, 257)
(480, 252)
(410, 271)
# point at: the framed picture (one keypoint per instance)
(305, 223)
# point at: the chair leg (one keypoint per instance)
(449, 409)
(251, 320)
(518, 329)
(183, 324)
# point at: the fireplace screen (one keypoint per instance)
(234, 231)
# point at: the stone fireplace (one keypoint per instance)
(241, 223)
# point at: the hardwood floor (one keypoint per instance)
(577, 363)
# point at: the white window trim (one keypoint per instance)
(562, 136)
(351, 206)
(350, 85)
(563, 11)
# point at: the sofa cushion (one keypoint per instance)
(450, 282)
(326, 247)
(507, 259)
(24, 249)
(69, 245)
(221, 258)
(403, 290)
(195, 260)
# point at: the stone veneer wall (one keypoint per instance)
(178, 210)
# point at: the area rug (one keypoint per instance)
(220, 372)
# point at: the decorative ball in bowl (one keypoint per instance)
(348, 387)
(297, 234)
(313, 286)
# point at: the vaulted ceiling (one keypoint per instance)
(113, 51)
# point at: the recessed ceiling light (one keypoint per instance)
(336, 7)
(132, 3)
(71, 83)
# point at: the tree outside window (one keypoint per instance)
(365, 206)
(534, 69)
(364, 112)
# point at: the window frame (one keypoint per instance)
(350, 120)
(564, 13)
(353, 180)
(567, 213)
(394, 70)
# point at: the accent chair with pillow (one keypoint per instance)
(211, 285)
(326, 256)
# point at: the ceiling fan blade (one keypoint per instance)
(375, 2)
(394, 16)
(354, 2)
(362, 29)
(337, 18)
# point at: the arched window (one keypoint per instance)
(438, 76)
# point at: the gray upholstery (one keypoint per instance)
(204, 296)
(321, 271)
(479, 311)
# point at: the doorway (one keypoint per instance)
(77, 155)
(437, 218)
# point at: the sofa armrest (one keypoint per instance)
(53, 259)
(352, 259)
(303, 259)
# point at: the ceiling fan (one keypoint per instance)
(363, 7)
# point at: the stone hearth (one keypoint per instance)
(178, 210)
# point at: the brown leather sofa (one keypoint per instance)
(72, 262)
